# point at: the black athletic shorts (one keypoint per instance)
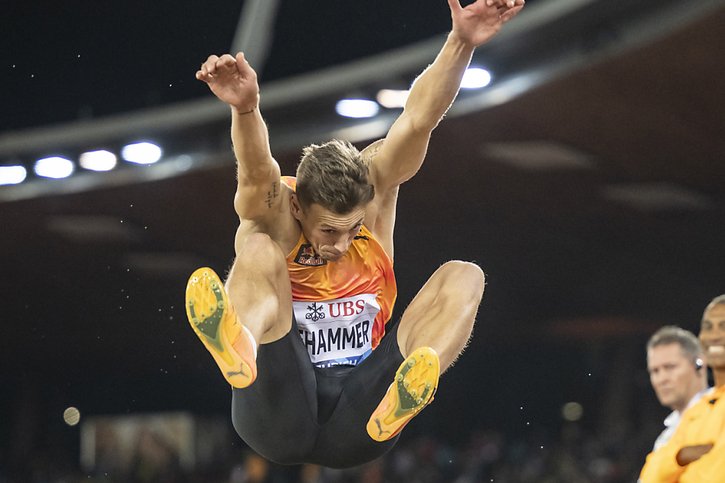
(296, 413)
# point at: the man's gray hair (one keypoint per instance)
(671, 334)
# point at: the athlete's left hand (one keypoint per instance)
(478, 22)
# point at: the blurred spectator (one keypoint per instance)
(696, 452)
(155, 460)
(675, 366)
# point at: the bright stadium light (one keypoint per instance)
(475, 78)
(12, 174)
(100, 160)
(357, 108)
(392, 98)
(141, 153)
(54, 167)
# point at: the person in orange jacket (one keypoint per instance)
(696, 452)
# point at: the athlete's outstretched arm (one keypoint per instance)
(402, 153)
(234, 81)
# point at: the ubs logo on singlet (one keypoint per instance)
(315, 312)
(337, 331)
(306, 256)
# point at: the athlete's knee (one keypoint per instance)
(463, 276)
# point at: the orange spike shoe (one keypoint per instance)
(213, 319)
(415, 384)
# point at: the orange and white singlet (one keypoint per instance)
(341, 307)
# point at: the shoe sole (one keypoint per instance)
(214, 322)
(415, 384)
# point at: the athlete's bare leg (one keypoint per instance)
(255, 307)
(433, 331)
(258, 287)
(442, 314)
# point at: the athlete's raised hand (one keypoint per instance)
(476, 23)
(232, 80)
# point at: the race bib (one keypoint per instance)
(337, 332)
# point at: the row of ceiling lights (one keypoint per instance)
(58, 167)
(473, 78)
(145, 152)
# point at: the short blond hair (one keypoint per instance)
(334, 176)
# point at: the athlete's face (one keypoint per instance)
(712, 336)
(329, 233)
(673, 375)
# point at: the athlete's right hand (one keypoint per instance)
(477, 22)
(232, 80)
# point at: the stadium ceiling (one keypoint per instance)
(549, 40)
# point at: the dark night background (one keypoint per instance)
(594, 201)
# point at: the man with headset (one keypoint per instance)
(676, 371)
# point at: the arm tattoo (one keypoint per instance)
(272, 194)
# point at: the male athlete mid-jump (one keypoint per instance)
(301, 328)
